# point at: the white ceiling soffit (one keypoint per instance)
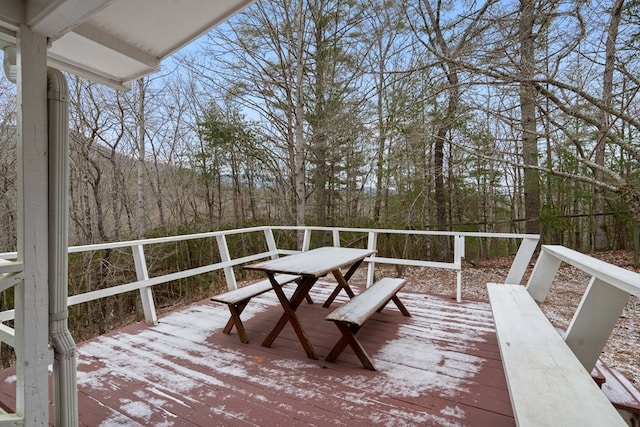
(117, 41)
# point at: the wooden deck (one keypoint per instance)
(440, 367)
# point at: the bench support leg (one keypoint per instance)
(398, 304)
(349, 338)
(401, 306)
(234, 320)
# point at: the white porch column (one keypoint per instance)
(31, 300)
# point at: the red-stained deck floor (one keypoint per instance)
(440, 367)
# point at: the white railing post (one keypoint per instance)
(146, 293)
(594, 320)
(229, 274)
(271, 242)
(521, 261)
(372, 243)
(458, 254)
(306, 240)
(336, 237)
(542, 276)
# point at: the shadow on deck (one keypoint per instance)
(441, 367)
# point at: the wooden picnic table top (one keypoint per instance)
(316, 262)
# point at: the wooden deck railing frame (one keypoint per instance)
(144, 283)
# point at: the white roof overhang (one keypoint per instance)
(115, 41)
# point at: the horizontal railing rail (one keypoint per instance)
(144, 283)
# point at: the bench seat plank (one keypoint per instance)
(249, 291)
(350, 316)
(238, 299)
(547, 383)
(362, 306)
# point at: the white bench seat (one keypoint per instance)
(350, 316)
(238, 299)
(548, 384)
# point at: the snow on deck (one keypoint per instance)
(440, 367)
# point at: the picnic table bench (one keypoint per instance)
(548, 375)
(238, 299)
(619, 390)
(350, 316)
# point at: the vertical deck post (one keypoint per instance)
(146, 293)
(271, 242)
(521, 261)
(336, 237)
(542, 276)
(372, 243)
(229, 274)
(306, 240)
(32, 294)
(458, 254)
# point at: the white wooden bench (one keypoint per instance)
(621, 392)
(547, 383)
(350, 316)
(238, 299)
(595, 318)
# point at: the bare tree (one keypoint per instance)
(8, 166)
(142, 147)
(449, 51)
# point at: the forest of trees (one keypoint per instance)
(486, 115)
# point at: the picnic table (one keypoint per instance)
(310, 266)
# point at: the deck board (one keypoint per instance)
(439, 367)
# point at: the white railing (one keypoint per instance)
(602, 302)
(144, 283)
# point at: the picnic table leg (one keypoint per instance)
(343, 283)
(308, 297)
(289, 315)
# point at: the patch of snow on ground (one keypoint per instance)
(156, 391)
(119, 420)
(455, 411)
(136, 409)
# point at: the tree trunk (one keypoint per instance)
(300, 196)
(380, 154)
(528, 117)
(601, 241)
(141, 158)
